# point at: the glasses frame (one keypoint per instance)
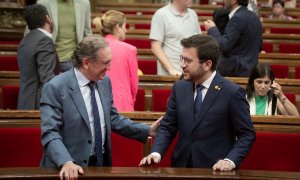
(188, 61)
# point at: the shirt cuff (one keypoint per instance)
(231, 162)
(156, 154)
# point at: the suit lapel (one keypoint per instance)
(213, 91)
(77, 97)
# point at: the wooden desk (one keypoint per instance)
(277, 124)
(141, 173)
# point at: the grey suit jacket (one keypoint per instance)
(240, 43)
(66, 133)
(37, 61)
(82, 17)
(221, 129)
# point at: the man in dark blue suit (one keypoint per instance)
(220, 134)
(241, 41)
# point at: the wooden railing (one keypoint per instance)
(149, 173)
(276, 124)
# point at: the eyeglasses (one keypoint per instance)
(188, 61)
(105, 63)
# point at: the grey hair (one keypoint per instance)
(88, 48)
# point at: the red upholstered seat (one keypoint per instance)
(10, 97)
(291, 97)
(297, 72)
(268, 47)
(289, 48)
(140, 103)
(125, 152)
(159, 99)
(148, 66)
(142, 26)
(274, 152)
(277, 30)
(139, 43)
(280, 71)
(8, 63)
(20, 147)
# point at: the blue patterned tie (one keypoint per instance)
(198, 99)
(97, 126)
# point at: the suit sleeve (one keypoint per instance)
(168, 127)
(46, 59)
(233, 31)
(87, 25)
(51, 123)
(242, 127)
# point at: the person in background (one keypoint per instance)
(169, 25)
(220, 18)
(288, 3)
(209, 114)
(78, 115)
(124, 67)
(37, 58)
(241, 42)
(278, 11)
(71, 22)
(265, 96)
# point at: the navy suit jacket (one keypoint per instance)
(222, 129)
(240, 43)
(65, 126)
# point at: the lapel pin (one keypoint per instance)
(217, 88)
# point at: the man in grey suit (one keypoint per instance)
(72, 22)
(241, 41)
(37, 57)
(67, 112)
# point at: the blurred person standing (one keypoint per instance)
(241, 41)
(169, 25)
(124, 66)
(71, 22)
(37, 58)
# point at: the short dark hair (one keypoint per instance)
(259, 71)
(88, 48)
(243, 2)
(35, 16)
(281, 2)
(207, 47)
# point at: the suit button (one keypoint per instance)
(84, 161)
(89, 141)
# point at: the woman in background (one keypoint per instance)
(124, 67)
(265, 96)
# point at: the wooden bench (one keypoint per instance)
(275, 134)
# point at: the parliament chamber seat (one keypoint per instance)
(289, 48)
(9, 97)
(139, 43)
(140, 102)
(277, 30)
(148, 66)
(268, 47)
(280, 70)
(9, 63)
(297, 72)
(160, 98)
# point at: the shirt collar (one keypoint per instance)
(82, 80)
(231, 14)
(175, 12)
(45, 32)
(207, 83)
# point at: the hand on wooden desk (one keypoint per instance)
(223, 165)
(150, 160)
(70, 171)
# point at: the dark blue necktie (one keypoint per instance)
(198, 99)
(97, 126)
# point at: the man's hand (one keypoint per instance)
(209, 24)
(223, 165)
(154, 126)
(150, 160)
(70, 171)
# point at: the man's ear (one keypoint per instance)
(48, 19)
(85, 63)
